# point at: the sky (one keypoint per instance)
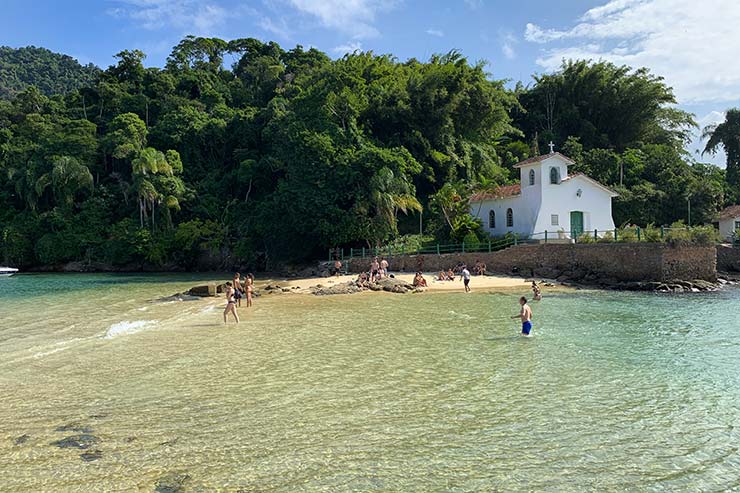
(692, 44)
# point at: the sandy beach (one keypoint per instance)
(487, 282)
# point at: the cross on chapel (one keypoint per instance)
(552, 147)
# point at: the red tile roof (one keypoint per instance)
(500, 193)
(730, 212)
(537, 159)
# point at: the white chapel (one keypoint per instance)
(547, 198)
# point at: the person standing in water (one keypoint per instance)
(249, 288)
(536, 291)
(230, 302)
(525, 315)
(383, 268)
(238, 293)
(465, 276)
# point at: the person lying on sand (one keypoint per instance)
(442, 276)
(450, 275)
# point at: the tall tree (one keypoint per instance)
(726, 135)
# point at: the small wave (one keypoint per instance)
(128, 327)
(41, 354)
(207, 309)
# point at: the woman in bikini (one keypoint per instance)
(249, 289)
(230, 302)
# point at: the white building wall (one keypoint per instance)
(533, 209)
(525, 214)
(562, 199)
(727, 227)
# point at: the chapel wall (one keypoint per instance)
(597, 262)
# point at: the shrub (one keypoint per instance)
(652, 234)
(704, 235)
(607, 237)
(586, 237)
(471, 241)
(627, 235)
(678, 233)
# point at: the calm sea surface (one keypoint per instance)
(372, 392)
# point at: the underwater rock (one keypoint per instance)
(91, 456)
(82, 442)
(172, 483)
(21, 439)
(75, 427)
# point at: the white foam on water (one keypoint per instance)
(143, 309)
(127, 327)
(41, 354)
(208, 309)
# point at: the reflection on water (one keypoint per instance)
(371, 392)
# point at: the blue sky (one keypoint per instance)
(694, 45)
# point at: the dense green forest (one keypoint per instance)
(287, 153)
(52, 73)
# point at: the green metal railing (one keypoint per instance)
(616, 235)
(492, 245)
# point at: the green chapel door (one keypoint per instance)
(576, 223)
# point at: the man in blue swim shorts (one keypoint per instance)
(525, 315)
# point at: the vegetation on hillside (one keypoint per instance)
(287, 153)
(52, 73)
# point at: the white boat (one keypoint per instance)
(7, 271)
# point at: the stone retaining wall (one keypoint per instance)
(728, 258)
(617, 262)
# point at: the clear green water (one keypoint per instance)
(431, 392)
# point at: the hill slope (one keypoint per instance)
(52, 73)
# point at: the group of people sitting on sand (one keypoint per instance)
(235, 291)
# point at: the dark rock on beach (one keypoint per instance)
(204, 290)
(82, 442)
(172, 483)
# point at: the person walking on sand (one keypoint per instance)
(230, 302)
(465, 276)
(525, 315)
(374, 270)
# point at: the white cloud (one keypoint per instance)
(435, 32)
(508, 41)
(353, 17)
(474, 4)
(190, 16)
(279, 28)
(693, 44)
(348, 48)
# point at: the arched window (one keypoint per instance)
(531, 177)
(492, 219)
(509, 218)
(554, 176)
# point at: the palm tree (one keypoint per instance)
(388, 195)
(727, 136)
(67, 178)
(149, 163)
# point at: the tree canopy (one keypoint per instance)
(286, 153)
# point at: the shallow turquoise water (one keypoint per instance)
(376, 392)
